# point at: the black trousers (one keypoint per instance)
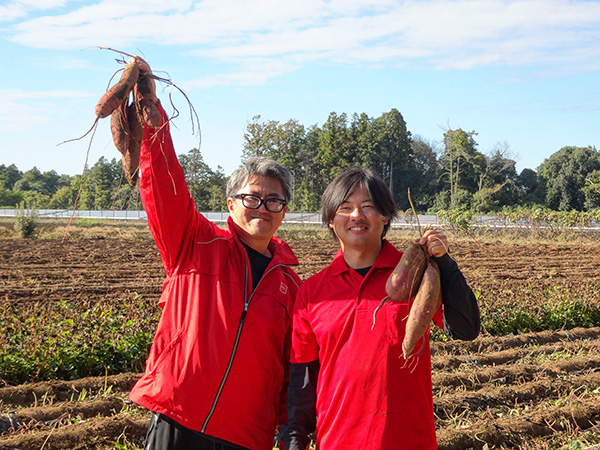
(166, 434)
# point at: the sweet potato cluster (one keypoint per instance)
(415, 279)
(127, 118)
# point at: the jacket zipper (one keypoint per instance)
(235, 344)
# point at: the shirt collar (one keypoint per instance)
(282, 253)
(388, 257)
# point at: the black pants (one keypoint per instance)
(166, 434)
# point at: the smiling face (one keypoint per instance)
(358, 224)
(256, 227)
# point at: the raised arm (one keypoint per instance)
(172, 216)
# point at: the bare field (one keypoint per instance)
(531, 390)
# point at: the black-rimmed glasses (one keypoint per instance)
(250, 201)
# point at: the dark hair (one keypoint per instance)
(346, 182)
(260, 165)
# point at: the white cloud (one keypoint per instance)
(12, 12)
(17, 9)
(446, 34)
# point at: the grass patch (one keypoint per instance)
(530, 310)
(69, 341)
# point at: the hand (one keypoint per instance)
(144, 94)
(434, 241)
(142, 65)
(146, 73)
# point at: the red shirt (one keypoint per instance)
(366, 398)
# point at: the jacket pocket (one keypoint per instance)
(166, 352)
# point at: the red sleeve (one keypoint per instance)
(438, 317)
(172, 216)
(286, 377)
(304, 342)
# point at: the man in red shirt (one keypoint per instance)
(349, 381)
(216, 376)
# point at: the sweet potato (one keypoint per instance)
(425, 304)
(119, 92)
(144, 96)
(131, 160)
(119, 127)
(127, 132)
(404, 282)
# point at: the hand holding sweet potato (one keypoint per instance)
(127, 119)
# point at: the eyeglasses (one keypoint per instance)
(250, 201)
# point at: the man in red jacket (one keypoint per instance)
(348, 379)
(216, 376)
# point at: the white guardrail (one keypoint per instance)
(300, 218)
(297, 218)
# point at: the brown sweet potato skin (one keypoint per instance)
(143, 93)
(119, 92)
(426, 303)
(127, 120)
(404, 281)
(119, 127)
(127, 132)
(131, 159)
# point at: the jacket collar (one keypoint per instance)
(282, 253)
(388, 258)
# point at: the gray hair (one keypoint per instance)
(262, 166)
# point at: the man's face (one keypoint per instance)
(257, 225)
(357, 223)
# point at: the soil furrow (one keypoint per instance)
(493, 397)
(60, 391)
(515, 431)
(90, 434)
(495, 343)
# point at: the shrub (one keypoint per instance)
(26, 221)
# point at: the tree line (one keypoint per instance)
(451, 175)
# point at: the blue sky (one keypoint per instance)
(524, 75)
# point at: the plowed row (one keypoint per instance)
(527, 391)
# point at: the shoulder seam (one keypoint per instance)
(292, 278)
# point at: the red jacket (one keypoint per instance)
(366, 398)
(219, 363)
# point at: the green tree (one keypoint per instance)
(424, 175)
(206, 186)
(462, 163)
(282, 142)
(10, 198)
(99, 185)
(9, 175)
(564, 177)
(363, 140)
(334, 153)
(260, 138)
(529, 188)
(309, 185)
(35, 199)
(393, 154)
(591, 190)
(498, 180)
(65, 197)
(197, 174)
(32, 180)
